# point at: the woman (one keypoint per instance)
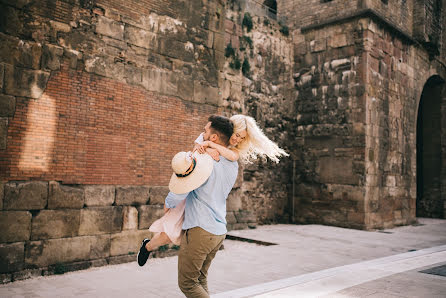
(247, 143)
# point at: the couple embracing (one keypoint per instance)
(195, 208)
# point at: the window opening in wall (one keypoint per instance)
(271, 8)
(385, 1)
(324, 1)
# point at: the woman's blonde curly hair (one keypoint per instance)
(255, 144)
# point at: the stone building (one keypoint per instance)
(97, 96)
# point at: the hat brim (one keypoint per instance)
(199, 175)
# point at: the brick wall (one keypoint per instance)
(300, 13)
(96, 98)
(87, 129)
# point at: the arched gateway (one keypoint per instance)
(431, 150)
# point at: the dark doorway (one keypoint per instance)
(429, 150)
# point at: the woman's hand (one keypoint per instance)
(199, 148)
(213, 153)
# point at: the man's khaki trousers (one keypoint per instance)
(198, 248)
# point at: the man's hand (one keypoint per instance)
(213, 153)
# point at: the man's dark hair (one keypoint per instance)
(221, 126)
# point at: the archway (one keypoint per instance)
(430, 133)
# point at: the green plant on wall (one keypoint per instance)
(235, 63)
(247, 21)
(284, 30)
(246, 67)
(229, 51)
(247, 40)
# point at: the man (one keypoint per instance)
(205, 213)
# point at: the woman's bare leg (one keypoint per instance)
(158, 240)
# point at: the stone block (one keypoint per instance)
(219, 42)
(186, 88)
(25, 195)
(230, 218)
(127, 242)
(99, 263)
(5, 278)
(132, 195)
(238, 226)
(26, 274)
(148, 214)
(108, 27)
(51, 57)
(73, 57)
(122, 259)
(356, 218)
(99, 195)
(133, 75)
(59, 268)
(337, 41)
(7, 105)
(148, 22)
(234, 200)
(203, 93)
(158, 195)
(245, 216)
(130, 218)
(336, 170)
(318, 45)
(175, 49)
(15, 226)
(20, 53)
(105, 66)
(3, 133)
(55, 224)
(64, 196)
(12, 257)
(2, 192)
(2, 75)
(100, 220)
(99, 246)
(159, 80)
(23, 82)
(53, 251)
(141, 38)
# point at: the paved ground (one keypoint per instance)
(308, 261)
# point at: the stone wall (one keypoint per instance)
(265, 92)
(330, 142)
(300, 13)
(48, 226)
(96, 98)
(390, 131)
(359, 78)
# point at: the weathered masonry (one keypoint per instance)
(97, 96)
(370, 110)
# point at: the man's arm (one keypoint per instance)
(174, 199)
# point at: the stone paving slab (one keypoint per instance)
(301, 249)
(331, 280)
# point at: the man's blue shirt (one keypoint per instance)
(206, 205)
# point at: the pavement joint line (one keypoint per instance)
(380, 265)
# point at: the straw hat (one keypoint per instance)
(191, 170)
